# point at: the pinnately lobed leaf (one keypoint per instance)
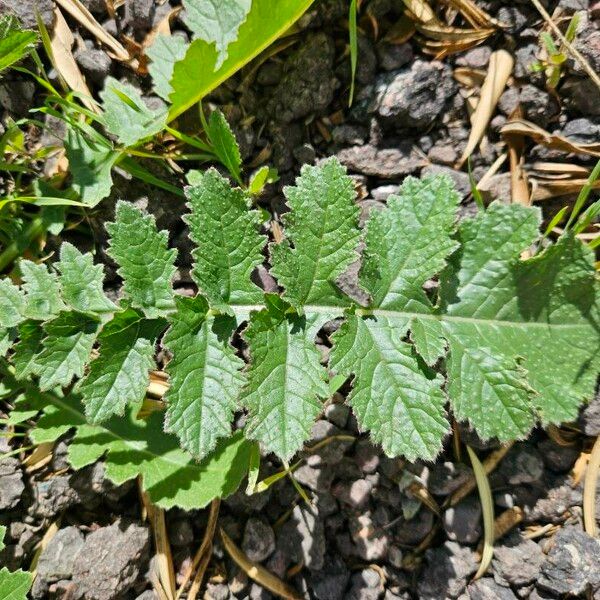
(456, 319)
(146, 263)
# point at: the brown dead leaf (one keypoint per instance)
(470, 78)
(474, 14)
(521, 127)
(63, 61)
(546, 189)
(499, 70)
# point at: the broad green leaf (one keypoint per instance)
(15, 43)
(66, 349)
(286, 382)
(126, 115)
(7, 337)
(146, 264)
(321, 235)
(90, 165)
(43, 299)
(224, 144)
(14, 585)
(81, 282)
(12, 304)
(408, 243)
(204, 376)
(216, 21)
(195, 76)
(428, 337)
(400, 403)
(120, 374)
(228, 245)
(133, 447)
(164, 52)
(29, 346)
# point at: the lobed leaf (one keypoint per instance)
(321, 235)
(12, 304)
(146, 263)
(120, 375)
(204, 376)
(43, 291)
(139, 448)
(228, 245)
(286, 382)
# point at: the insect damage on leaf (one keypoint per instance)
(502, 342)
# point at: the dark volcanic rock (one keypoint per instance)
(517, 560)
(488, 589)
(11, 483)
(572, 564)
(25, 11)
(308, 82)
(414, 97)
(303, 538)
(111, 561)
(386, 163)
(259, 540)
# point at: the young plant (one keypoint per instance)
(506, 342)
(13, 585)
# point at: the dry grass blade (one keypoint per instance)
(202, 556)
(504, 522)
(471, 78)
(572, 50)
(164, 559)
(589, 490)
(487, 507)
(559, 170)
(62, 58)
(499, 70)
(81, 14)
(544, 189)
(550, 140)
(257, 572)
(421, 493)
(420, 10)
(472, 13)
(489, 464)
(39, 458)
(448, 34)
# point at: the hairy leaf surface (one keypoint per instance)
(228, 245)
(146, 263)
(286, 382)
(321, 235)
(42, 289)
(29, 346)
(120, 374)
(164, 52)
(132, 447)
(12, 304)
(81, 282)
(204, 376)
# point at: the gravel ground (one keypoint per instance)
(368, 535)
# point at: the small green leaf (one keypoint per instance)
(224, 144)
(146, 264)
(204, 375)
(81, 281)
(126, 115)
(393, 397)
(14, 585)
(164, 52)
(15, 42)
(90, 165)
(132, 448)
(43, 299)
(216, 21)
(120, 374)
(228, 245)
(29, 346)
(66, 349)
(12, 304)
(321, 235)
(286, 383)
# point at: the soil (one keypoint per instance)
(369, 534)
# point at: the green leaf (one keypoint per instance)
(216, 21)
(15, 43)
(400, 403)
(321, 235)
(286, 382)
(204, 376)
(133, 448)
(120, 374)
(2, 535)
(126, 115)
(7, 337)
(81, 281)
(12, 304)
(43, 299)
(90, 165)
(408, 243)
(29, 346)
(195, 76)
(224, 144)
(14, 585)
(228, 245)
(164, 52)
(66, 349)
(145, 261)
